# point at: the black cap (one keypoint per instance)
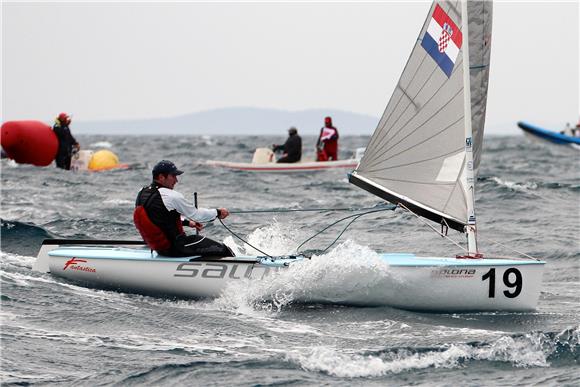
(292, 130)
(166, 167)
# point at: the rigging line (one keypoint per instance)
(274, 210)
(342, 232)
(240, 238)
(455, 151)
(433, 228)
(509, 248)
(356, 216)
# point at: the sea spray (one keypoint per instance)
(345, 274)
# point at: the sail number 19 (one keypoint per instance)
(514, 283)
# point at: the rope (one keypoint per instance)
(355, 217)
(240, 238)
(509, 248)
(433, 228)
(281, 210)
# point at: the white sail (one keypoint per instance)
(417, 154)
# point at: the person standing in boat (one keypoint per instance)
(327, 144)
(161, 212)
(292, 148)
(67, 144)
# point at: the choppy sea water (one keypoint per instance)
(55, 332)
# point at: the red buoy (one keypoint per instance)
(29, 142)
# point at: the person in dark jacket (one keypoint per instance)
(67, 144)
(327, 144)
(292, 148)
(161, 212)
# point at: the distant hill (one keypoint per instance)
(237, 120)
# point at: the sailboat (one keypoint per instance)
(423, 157)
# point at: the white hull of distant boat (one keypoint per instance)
(286, 167)
(412, 283)
(264, 161)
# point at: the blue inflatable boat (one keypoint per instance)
(548, 135)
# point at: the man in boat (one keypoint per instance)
(327, 144)
(67, 144)
(292, 148)
(160, 214)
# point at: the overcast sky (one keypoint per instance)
(104, 60)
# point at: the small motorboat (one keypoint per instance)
(264, 161)
(545, 135)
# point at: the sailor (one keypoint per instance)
(327, 144)
(67, 144)
(292, 148)
(160, 214)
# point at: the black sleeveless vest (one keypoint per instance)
(150, 198)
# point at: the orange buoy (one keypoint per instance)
(29, 142)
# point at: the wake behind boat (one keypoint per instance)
(548, 136)
(264, 161)
(423, 157)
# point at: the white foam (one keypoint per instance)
(16, 260)
(101, 144)
(513, 186)
(118, 202)
(531, 350)
(273, 239)
(345, 275)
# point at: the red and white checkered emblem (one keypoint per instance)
(446, 33)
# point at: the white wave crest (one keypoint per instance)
(529, 350)
(101, 144)
(513, 186)
(347, 274)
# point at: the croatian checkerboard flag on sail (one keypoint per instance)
(442, 40)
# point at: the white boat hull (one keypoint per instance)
(412, 283)
(308, 166)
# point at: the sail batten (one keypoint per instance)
(417, 154)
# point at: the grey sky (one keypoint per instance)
(144, 60)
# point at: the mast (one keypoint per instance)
(469, 182)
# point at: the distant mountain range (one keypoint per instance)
(237, 121)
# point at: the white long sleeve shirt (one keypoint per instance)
(174, 200)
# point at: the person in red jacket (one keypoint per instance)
(161, 212)
(327, 144)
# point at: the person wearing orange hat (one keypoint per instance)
(327, 144)
(67, 144)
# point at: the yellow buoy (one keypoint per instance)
(103, 159)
